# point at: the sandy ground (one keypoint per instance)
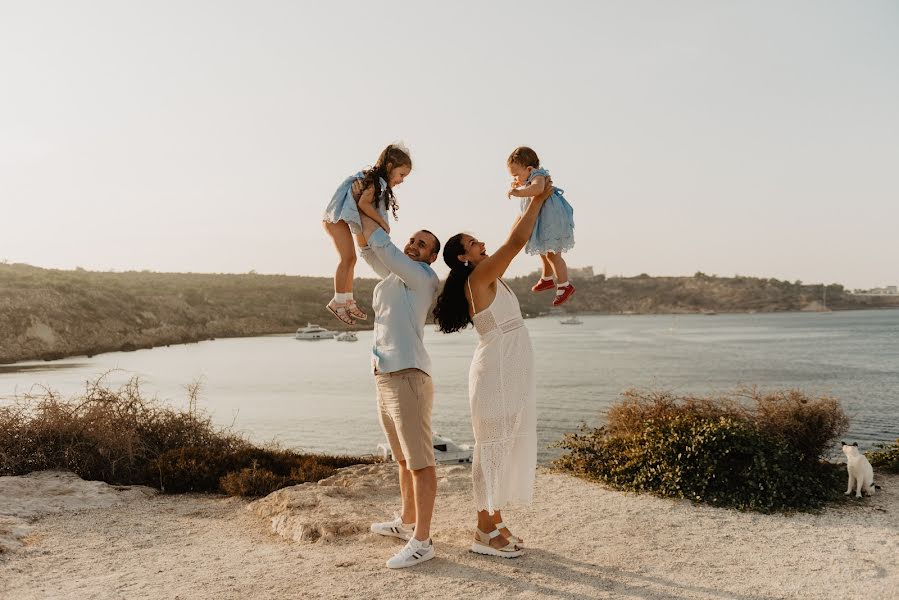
(64, 538)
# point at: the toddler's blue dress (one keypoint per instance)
(343, 207)
(554, 231)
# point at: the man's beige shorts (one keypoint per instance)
(405, 401)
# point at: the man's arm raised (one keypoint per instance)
(412, 272)
(368, 255)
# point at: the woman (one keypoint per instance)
(501, 384)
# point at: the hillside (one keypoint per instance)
(48, 314)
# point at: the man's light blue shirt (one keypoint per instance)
(401, 303)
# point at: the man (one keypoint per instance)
(402, 375)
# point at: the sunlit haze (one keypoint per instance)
(758, 138)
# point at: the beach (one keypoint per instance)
(66, 538)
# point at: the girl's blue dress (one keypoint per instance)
(554, 231)
(343, 207)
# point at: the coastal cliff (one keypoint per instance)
(47, 314)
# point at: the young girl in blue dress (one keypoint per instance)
(554, 232)
(342, 220)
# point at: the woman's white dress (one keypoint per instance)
(502, 391)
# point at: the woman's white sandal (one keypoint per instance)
(482, 546)
(512, 538)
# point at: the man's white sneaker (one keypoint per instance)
(413, 553)
(395, 528)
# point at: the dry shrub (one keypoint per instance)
(266, 475)
(635, 408)
(252, 482)
(809, 425)
(120, 437)
(192, 469)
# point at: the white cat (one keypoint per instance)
(861, 473)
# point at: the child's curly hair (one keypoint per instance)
(390, 158)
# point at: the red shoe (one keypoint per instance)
(543, 285)
(567, 293)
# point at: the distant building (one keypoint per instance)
(574, 272)
(581, 272)
(890, 290)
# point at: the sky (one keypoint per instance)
(755, 138)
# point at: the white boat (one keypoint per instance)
(347, 336)
(446, 451)
(314, 332)
(572, 320)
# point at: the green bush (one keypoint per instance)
(120, 437)
(714, 450)
(808, 425)
(885, 457)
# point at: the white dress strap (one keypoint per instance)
(474, 309)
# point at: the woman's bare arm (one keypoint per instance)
(494, 266)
